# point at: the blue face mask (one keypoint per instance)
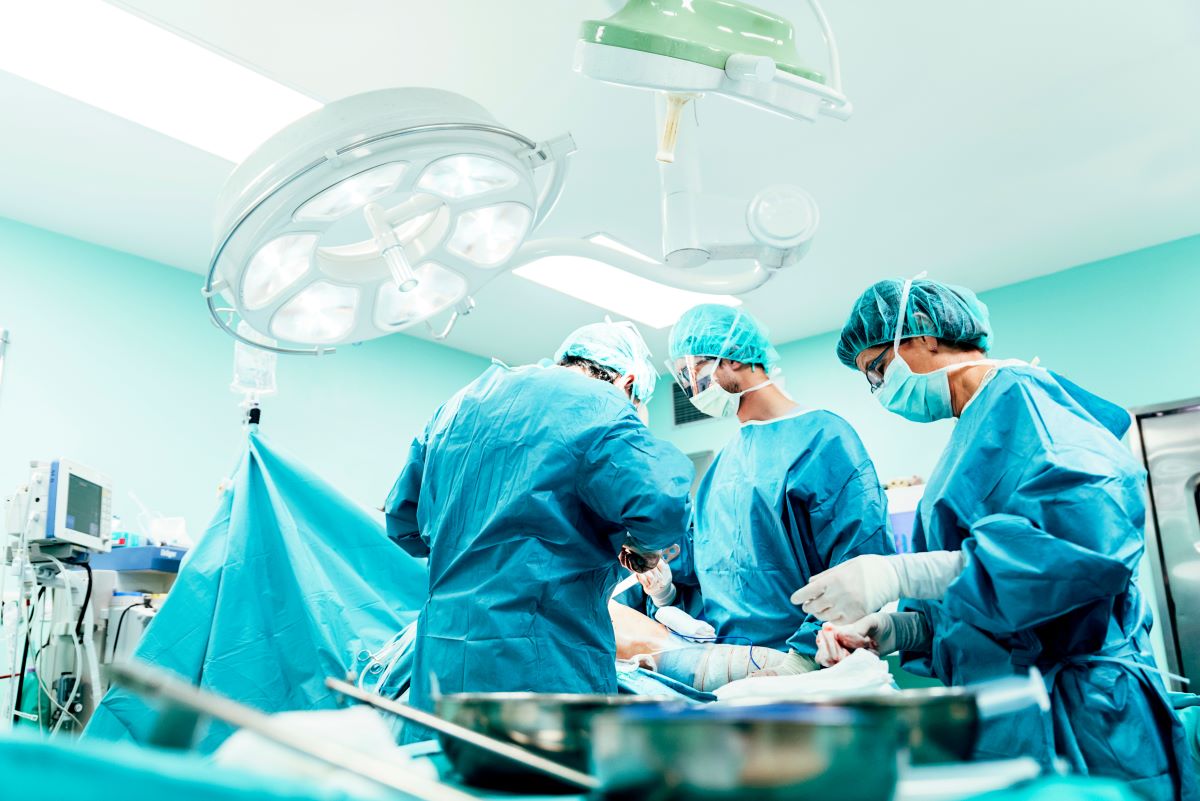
(920, 397)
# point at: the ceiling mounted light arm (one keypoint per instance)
(835, 59)
(731, 279)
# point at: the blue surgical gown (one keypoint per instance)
(521, 491)
(783, 501)
(1048, 506)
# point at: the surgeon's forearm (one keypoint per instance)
(925, 576)
(911, 631)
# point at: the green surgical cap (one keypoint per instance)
(617, 346)
(947, 312)
(722, 332)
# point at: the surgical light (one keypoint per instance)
(375, 213)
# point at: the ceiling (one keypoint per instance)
(991, 142)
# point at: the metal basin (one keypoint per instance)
(940, 724)
(557, 727)
(768, 752)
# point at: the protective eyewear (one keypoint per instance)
(875, 370)
(693, 374)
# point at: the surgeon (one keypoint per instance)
(1032, 522)
(793, 494)
(524, 491)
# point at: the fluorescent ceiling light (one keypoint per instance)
(125, 65)
(649, 302)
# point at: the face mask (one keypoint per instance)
(920, 397)
(716, 401)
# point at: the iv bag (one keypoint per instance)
(253, 368)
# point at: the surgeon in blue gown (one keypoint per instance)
(1032, 524)
(792, 494)
(524, 490)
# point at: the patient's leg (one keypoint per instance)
(704, 666)
(636, 633)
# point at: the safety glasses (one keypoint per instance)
(875, 370)
(693, 374)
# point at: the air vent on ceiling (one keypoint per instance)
(685, 412)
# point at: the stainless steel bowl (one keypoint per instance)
(557, 727)
(938, 724)
(941, 724)
(768, 752)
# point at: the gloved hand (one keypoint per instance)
(684, 624)
(873, 632)
(864, 584)
(881, 632)
(791, 665)
(636, 560)
(850, 591)
(657, 584)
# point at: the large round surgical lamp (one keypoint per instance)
(371, 215)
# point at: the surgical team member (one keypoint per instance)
(1034, 522)
(524, 491)
(794, 493)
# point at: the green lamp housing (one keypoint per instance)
(705, 32)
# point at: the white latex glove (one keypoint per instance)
(850, 591)
(874, 632)
(927, 575)
(880, 633)
(865, 584)
(657, 584)
(684, 624)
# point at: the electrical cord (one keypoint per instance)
(121, 622)
(87, 597)
(76, 640)
(20, 677)
(48, 691)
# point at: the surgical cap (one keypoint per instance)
(950, 313)
(617, 346)
(722, 332)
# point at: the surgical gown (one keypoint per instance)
(785, 500)
(1048, 506)
(520, 492)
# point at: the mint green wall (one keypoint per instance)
(113, 363)
(1127, 328)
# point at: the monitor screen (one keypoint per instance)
(83, 506)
